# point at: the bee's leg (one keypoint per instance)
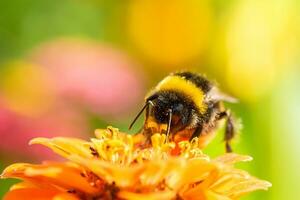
(229, 132)
(221, 115)
(229, 129)
(146, 131)
(197, 132)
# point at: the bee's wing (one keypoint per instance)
(216, 95)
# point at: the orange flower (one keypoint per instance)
(114, 166)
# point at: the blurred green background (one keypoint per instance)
(70, 66)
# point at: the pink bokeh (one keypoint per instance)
(17, 130)
(101, 78)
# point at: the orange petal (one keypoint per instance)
(202, 186)
(204, 195)
(234, 183)
(232, 158)
(193, 170)
(123, 176)
(229, 177)
(160, 195)
(59, 174)
(214, 196)
(248, 186)
(65, 146)
(194, 195)
(22, 185)
(36, 194)
(156, 171)
(65, 196)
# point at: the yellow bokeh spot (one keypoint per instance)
(25, 88)
(169, 32)
(256, 44)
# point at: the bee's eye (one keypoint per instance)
(178, 107)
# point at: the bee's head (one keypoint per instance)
(171, 106)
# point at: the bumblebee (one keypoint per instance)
(185, 105)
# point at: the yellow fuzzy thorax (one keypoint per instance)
(180, 84)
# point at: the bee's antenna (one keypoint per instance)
(139, 114)
(169, 124)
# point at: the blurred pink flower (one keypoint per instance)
(99, 77)
(16, 130)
